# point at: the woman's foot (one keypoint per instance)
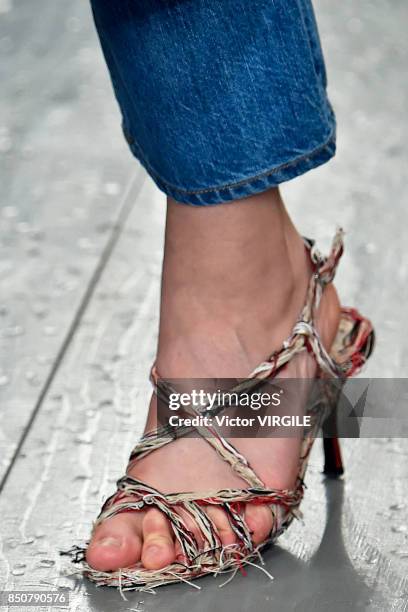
(234, 282)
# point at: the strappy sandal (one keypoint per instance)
(352, 347)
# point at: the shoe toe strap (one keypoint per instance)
(133, 496)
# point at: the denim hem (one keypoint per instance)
(246, 187)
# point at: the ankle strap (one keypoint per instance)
(304, 335)
(326, 266)
(324, 271)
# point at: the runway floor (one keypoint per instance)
(81, 229)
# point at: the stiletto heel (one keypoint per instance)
(333, 464)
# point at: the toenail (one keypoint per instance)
(114, 542)
(154, 550)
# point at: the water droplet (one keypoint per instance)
(14, 331)
(67, 524)
(372, 560)
(37, 235)
(23, 227)
(20, 565)
(400, 529)
(56, 397)
(396, 507)
(112, 189)
(4, 380)
(11, 543)
(123, 413)
(33, 251)
(39, 534)
(74, 271)
(50, 330)
(108, 372)
(28, 541)
(384, 514)
(86, 244)
(83, 439)
(371, 248)
(9, 212)
(39, 310)
(32, 378)
(18, 572)
(43, 359)
(402, 554)
(46, 563)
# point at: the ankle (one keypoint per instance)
(233, 282)
(265, 281)
(201, 332)
(238, 296)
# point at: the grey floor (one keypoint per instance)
(80, 250)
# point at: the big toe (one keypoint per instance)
(158, 542)
(116, 543)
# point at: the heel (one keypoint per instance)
(333, 464)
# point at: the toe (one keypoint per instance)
(192, 526)
(259, 521)
(116, 543)
(158, 542)
(222, 524)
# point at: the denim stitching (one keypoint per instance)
(294, 162)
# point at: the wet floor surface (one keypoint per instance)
(81, 232)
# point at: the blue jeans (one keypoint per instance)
(220, 99)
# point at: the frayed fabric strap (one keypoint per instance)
(134, 495)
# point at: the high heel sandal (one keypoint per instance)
(352, 347)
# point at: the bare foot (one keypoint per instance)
(221, 315)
